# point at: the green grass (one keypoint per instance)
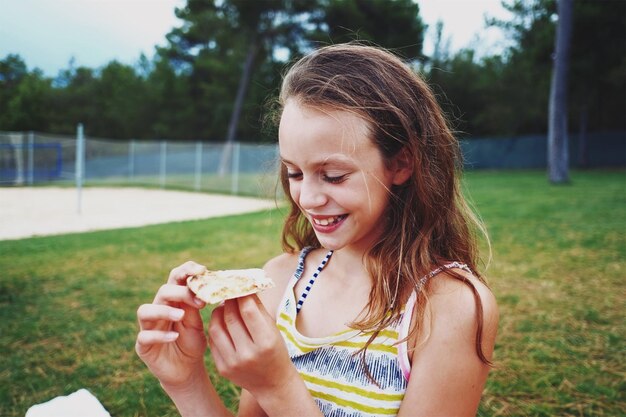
(68, 303)
(558, 271)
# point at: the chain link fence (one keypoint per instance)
(30, 158)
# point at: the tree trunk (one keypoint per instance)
(583, 149)
(244, 81)
(558, 151)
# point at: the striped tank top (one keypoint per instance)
(333, 374)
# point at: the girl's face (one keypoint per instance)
(336, 174)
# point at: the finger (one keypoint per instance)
(179, 297)
(147, 338)
(219, 339)
(180, 274)
(234, 323)
(150, 315)
(255, 317)
(169, 294)
(216, 354)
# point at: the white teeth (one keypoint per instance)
(326, 221)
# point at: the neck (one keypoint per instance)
(349, 262)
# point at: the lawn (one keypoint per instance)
(68, 303)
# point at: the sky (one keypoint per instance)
(48, 34)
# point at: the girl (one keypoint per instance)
(378, 307)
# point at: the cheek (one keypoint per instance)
(377, 194)
(294, 192)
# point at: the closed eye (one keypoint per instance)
(294, 175)
(335, 180)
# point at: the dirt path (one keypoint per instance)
(42, 211)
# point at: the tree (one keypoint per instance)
(597, 68)
(597, 84)
(262, 23)
(475, 94)
(120, 104)
(526, 76)
(503, 94)
(212, 80)
(167, 96)
(12, 71)
(24, 96)
(74, 101)
(558, 150)
(441, 50)
(395, 25)
(223, 45)
(29, 106)
(220, 46)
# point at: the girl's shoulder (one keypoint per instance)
(454, 297)
(457, 288)
(280, 269)
(453, 279)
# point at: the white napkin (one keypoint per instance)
(81, 403)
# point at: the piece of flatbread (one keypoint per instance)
(213, 287)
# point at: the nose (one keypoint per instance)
(311, 194)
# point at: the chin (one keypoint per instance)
(330, 244)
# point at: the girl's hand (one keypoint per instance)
(248, 349)
(171, 340)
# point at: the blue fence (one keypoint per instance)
(599, 150)
(28, 158)
(47, 167)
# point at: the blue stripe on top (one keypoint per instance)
(300, 270)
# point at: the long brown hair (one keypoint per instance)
(429, 223)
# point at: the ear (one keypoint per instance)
(402, 167)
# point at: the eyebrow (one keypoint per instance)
(326, 161)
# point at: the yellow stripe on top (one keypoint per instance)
(372, 346)
(286, 333)
(368, 410)
(356, 342)
(304, 348)
(377, 395)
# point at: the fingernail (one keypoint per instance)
(171, 336)
(177, 314)
(198, 302)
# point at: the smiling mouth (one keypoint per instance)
(329, 221)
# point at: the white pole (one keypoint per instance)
(80, 165)
(17, 140)
(198, 165)
(234, 187)
(131, 160)
(31, 158)
(163, 163)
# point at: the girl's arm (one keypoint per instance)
(248, 406)
(447, 376)
(248, 349)
(198, 398)
(172, 343)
